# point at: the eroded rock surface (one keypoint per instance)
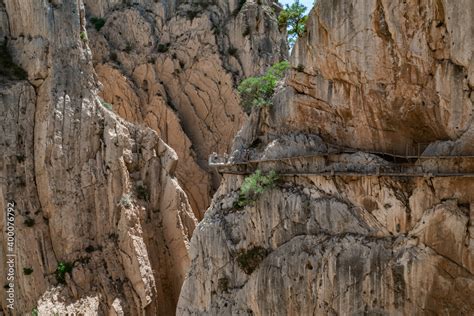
(386, 76)
(336, 246)
(90, 189)
(98, 101)
(397, 75)
(173, 66)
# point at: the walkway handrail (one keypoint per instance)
(334, 167)
(224, 160)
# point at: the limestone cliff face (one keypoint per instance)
(102, 189)
(392, 76)
(173, 65)
(395, 74)
(89, 188)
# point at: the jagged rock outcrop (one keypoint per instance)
(376, 75)
(90, 189)
(173, 65)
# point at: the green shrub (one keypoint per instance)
(125, 201)
(249, 260)
(20, 158)
(61, 270)
(232, 51)
(163, 48)
(142, 192)
(191, 14)
(258, 91)
(223, 284)
(29, 222)
(257, 183)
(98, 23)
(83, 36)
(106, 105)
(27, 271)
(253, 186)
(34, 312)
(8, 68)
(128, 48)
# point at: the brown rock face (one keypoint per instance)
(88, 188)
(173, 65)
(100, 192)
(395, 74)
(392, 76)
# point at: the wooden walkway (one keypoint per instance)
(342, 163)
(361, 174)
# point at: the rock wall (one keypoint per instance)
(89, 188)
(173, 66)
(100, 187)
(335, 246)
(392, 76)
(395, 74)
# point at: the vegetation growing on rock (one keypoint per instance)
(29, 222)
(293, 18)
(253, 186)
(223, 284)
(98, 22)
(106, 105)
(142, 192)
(61, 270)
(125, 201)
(249, 260)
(7, 67)
(258, 91)
(27, 271)
(83, 36)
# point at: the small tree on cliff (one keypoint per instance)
(258, 91)
(293, 18)
(255, 185)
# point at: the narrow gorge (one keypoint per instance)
(133, 182)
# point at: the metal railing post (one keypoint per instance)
(437, 165)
